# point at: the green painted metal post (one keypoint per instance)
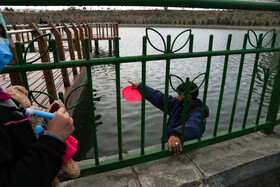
(118, 97)
(252, 81)
(266, 76)
(61, 97)
(185, 109)
(96, 43)
(144, 53)
(92, 114)
(22, 63)
(191, 43)
(167, 72)
(54, 49)
(238, 82)
(90, 92)
(205, 87)
(222, 87)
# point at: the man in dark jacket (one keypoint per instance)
(25, 160)
(175, 109)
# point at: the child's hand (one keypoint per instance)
(61, 124)
(133, 84)
(174, 144)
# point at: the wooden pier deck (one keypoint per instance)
(70, 45)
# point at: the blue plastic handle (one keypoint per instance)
(41, 114)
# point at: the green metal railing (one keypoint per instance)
(261, 44)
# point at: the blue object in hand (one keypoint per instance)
(46, 115)
(38, 113)
(38, 130)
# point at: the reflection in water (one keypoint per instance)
(130, 44)
(83, 129)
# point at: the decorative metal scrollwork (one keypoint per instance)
(183, 36)
(29, 45)
(191, 91)
(263, 40)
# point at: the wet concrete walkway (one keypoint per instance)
(251, 160)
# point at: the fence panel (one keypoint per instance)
(167, 55)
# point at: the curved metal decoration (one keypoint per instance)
(185, 31)
(78, 102)
(269, 74)
(170, 76)
(191, 91)
(155, 31)
(26, 50)
(268, 37)
(179, 36)
(30, 94)
(35, 100)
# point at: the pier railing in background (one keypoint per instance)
(252, 44)
(70, 44)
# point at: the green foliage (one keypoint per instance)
(249, 23)
(8, 9)
(193, 22)
(210, 22)
(71, 8)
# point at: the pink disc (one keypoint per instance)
(130, 94)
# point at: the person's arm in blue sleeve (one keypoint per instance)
(191, 127)
(156, 97)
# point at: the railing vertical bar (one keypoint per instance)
(167, 72)
(61, 97)
(266, 76)
(54, 49)
(252, 83)
(185, 109)
(273, 39)
(87, 48)
(22, 62)
(118, 97)
(222, 87)
(191, 43)
(144, 52)
(205, 87)
(238, 82)
(93, 125)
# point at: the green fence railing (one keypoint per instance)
(262, 43)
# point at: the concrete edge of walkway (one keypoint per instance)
(229, 163)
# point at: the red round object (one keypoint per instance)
(130, 94)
